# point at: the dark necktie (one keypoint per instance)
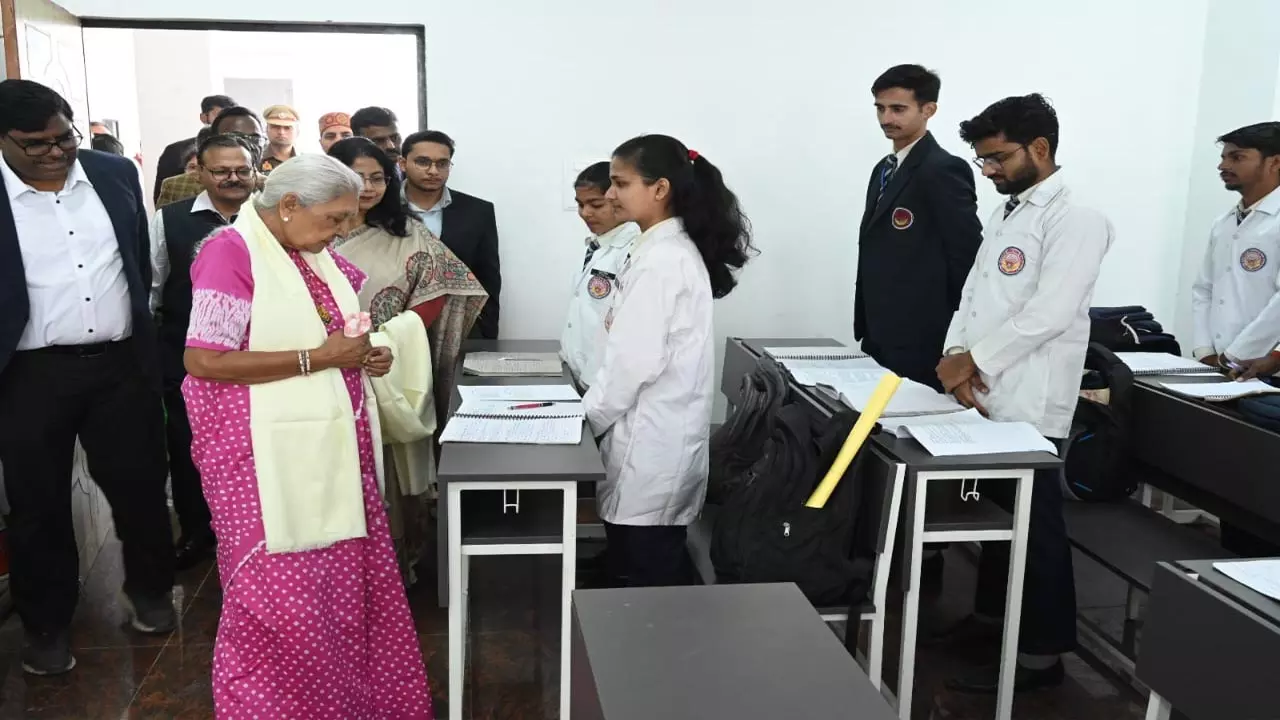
(1009, 206)
(1241, 214)
(591, 251)
(887, 170)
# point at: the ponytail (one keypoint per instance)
(709, 210)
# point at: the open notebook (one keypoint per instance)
(497, 422)
(968, 433)
(814, 353)
(496, 364)
(1162, 364)
(912, 398)
(1223, 391)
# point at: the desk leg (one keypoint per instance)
(568, 578)
(442, 544)
(1013, 602)
(1158, 708)
(916, 494)
(457, 615)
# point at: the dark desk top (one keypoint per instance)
(909, 451)
(744, 652)
(1255, 601)
(467, 462)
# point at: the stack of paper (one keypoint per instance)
(518, 392)
(897, 425)
(1223, 391)
(1262, 576)
(1162, 364)
(493, 364)
(976, 437)
(814, 353)
(502, 422)
(834, 372)
(912, 398)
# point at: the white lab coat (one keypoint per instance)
(1236, 297)
(582, 343)
(1024, 311)
(653, 392)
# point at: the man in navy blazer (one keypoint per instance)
(78, 359)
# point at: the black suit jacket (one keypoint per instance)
(115, 179)
(915, 250)
(470, 230)
(170, 164)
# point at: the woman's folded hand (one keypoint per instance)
(340, 351)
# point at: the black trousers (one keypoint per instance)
(1049, 586)
(47, 400)
(188, 497)
(917, 362)
(649, 555)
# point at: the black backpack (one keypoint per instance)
(740, 442)
(1096, 460)
(764, 532)
(1130, 329)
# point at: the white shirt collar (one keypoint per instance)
(1269, 204)
(204, 202)
(15, 186)
(902, 154)
(1043, 192)
(446, 199)
(621, 235)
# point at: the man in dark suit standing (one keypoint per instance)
(170, 163)
(919, 234)
(78, 359)
(466, 224)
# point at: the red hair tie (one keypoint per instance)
(693, 155)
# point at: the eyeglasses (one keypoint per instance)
(425, 163)
(40, 148)
(244, 173)
(374, 180)
(997, 160)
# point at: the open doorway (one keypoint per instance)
(146, 79)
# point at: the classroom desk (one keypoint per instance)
(1206, 454)
(977, 522)
(740, 652)
(540, 526)
(1209, 646)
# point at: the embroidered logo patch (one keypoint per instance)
(1012, 260)
(1253, 260)
(599, 287)
(902, 218)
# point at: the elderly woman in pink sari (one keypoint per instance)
(314, 622)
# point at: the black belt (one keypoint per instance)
(85, 351)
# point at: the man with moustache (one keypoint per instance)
(282, 129)
(918, 235)
(226, 170)
(1015, 351)
(467, 225)
(381, 126)
(77, 360)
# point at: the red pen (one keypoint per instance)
(531, 406)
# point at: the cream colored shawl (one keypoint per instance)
(405, 404)
(303, 428)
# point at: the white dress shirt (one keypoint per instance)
(582, 343)
(904, 152)
(78, 291)
(654, 390)
(1236, 297)
(1024, 311)
(160, 250)
(433, 218)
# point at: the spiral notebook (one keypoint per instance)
(1223, 391)
(814, 353)
(500, 364)
(505, 423)
(1162, 364)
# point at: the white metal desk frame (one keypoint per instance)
(1158, 708)
(917, 493)
(460, 566)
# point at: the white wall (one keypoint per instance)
(111, 69)
(780, 100)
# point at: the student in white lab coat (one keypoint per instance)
(651, 399)
(1236, 298)
(582, 343)
(1015, 351)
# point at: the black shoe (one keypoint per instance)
(985, 680)
(46, 654)
(191, 551)
(150, 616)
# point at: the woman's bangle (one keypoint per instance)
(304, 362)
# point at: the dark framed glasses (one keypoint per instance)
(40, 148)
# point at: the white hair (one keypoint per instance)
(314, 179)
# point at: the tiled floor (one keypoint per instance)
(515, 667)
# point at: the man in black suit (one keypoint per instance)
(78, 359)
(170, 163)
(466, 224)
(919, 234)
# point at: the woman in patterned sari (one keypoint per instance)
(315, 622)
(410, 271)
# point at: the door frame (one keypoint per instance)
(417, 31)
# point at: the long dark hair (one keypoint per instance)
(390, 213)
(699, 197)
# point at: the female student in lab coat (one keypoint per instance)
(651, 399)
(608, 248)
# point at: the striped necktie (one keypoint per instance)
(887, 170)
(591, 251)
(1009, 207)
(1242, 213)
